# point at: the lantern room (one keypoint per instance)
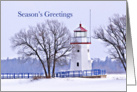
(80, 32)
(80, 36)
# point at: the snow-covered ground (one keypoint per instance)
(113, 82)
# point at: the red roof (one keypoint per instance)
(80, 29)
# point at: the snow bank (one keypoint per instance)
(111, 83)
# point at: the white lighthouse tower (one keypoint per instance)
(81, 53)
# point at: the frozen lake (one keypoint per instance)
(113, 82)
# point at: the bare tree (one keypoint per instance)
(27, 46)
(61, 41)
(114, 36)
(49, 41)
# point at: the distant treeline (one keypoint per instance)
(17, 65)
(109, 65)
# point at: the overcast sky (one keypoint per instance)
(100, 12)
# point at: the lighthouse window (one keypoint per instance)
(77, 50)
(88, 50)
(77, 63)
(80, 34)
(83, 34)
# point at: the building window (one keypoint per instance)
(77, 50)
(77, 64)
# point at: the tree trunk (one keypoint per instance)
(48, 69)
(53, 71)
(42, 64)
(119, 57)
(45, 70)
(123, 64)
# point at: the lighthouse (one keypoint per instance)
(80, 59)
